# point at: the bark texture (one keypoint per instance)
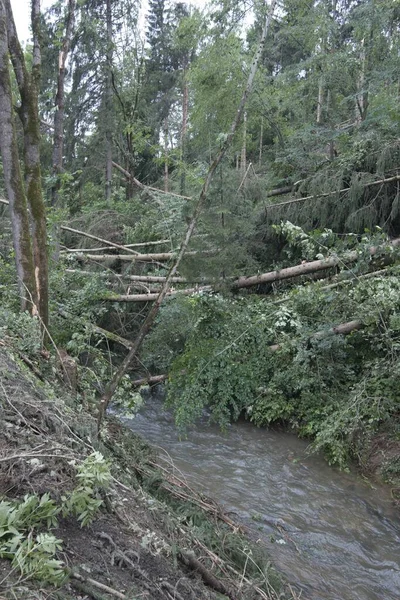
(13, 178)
(28, 85)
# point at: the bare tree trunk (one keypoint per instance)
(13, 178)
(243, 155)
(109, 59)
(261, 142)
(166, 172)
(185, 110)
(320, 101)
(58, 139)
(148, 323)
(28, 84)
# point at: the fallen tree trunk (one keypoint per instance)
(153, 296)
(151, 380)
(160, 256)
(138, 278)
(305, 268)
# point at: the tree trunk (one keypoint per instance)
(185, 110)
(303, 269)
(13, 178)
(166, 171)
(58, 139)
(109, 59)
(148, 323)
(28, 85)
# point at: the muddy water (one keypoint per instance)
(331, 534)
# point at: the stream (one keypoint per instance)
(331, 534)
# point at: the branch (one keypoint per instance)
(142, 186)
(327, 194)
(98, 239)
(148, 323)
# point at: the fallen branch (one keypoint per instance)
(152, 380)
(124, 247)
(142, 186)
(114, 337)
(327, 194)
(98, 239)
(189, 559)
(98, 585)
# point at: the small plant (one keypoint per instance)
(93, 475)
(22, 539)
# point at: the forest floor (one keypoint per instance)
(153, 537)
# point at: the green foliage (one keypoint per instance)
(22, 539)
(93, 475)
(334, 389)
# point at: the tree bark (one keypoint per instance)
(303, 269)
(28, 85)
(185, 111)
(148, 323)
(13, 178)
(58, 138)
(109, 60)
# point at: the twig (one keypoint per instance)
(100, 586)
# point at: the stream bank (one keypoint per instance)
(153, 536)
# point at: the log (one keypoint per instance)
(151, 380)
(135, 257)
(114, 337)
(304, 269)
(151, 297)
(138, 278)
